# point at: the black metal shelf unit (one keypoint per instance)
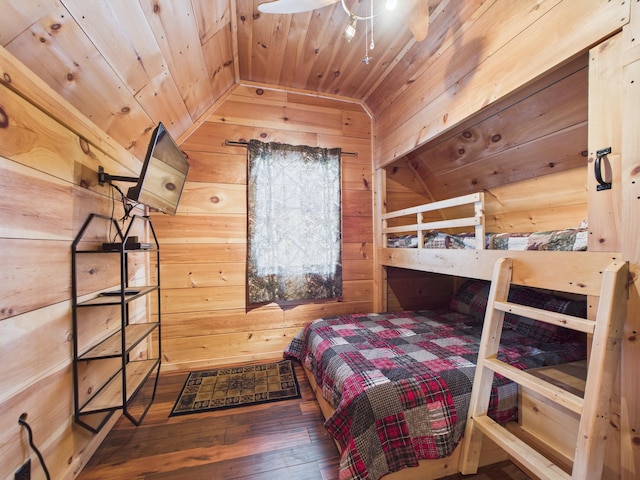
(117, 344)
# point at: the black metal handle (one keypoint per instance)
(602, 185)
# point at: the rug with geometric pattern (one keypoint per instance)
(237, 386)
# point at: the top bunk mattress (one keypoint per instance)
(570, 239)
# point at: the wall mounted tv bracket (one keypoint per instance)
(104, 177)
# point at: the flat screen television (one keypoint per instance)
(163, 175)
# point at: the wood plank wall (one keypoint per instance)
(505, 49)
(49, 158)
(528, 153)
(205, 319)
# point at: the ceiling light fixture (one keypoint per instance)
(414, 13)
(350, 31)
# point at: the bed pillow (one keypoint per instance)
(472, 296)
(540, 330)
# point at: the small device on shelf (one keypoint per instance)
(117, 293)
(117, 246)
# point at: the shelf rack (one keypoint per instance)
(114, 363)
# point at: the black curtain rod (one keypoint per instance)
(245, 144)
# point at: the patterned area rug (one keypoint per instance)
(237, 386)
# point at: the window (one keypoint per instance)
(294, 232)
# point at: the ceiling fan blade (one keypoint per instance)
(293, 6)
(415, 14)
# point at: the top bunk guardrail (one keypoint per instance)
(469, 211)
(556, 250)
(421, 227)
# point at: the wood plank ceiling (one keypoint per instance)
(128, 64)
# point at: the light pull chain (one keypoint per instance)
(367, 58)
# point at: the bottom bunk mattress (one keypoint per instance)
(400, 383)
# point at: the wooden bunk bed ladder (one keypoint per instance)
(593, 409)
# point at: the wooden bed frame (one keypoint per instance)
(564, 272)
(580, 271)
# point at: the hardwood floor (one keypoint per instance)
(274, 441)
(277, 440)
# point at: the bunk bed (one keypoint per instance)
(394, 387)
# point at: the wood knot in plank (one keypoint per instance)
(84, 146)
(4, 118)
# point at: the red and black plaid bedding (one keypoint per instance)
(400, 382)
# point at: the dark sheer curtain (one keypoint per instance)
(294, 223)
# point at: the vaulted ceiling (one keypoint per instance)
(128, 64)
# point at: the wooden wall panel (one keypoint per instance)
(629, 420)
(458, 85)
(528, 153)
(200, 228)
(539, 131)
(203, 249)
(49, 157)
(89, 77)
(195, 275)
(544, 203)
(605, 131)
(221, 167)
(208, 323)
(205, 253)
(212, 198)
(410, 290)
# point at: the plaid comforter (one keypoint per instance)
(400, 382)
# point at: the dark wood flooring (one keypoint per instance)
(274, 441)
